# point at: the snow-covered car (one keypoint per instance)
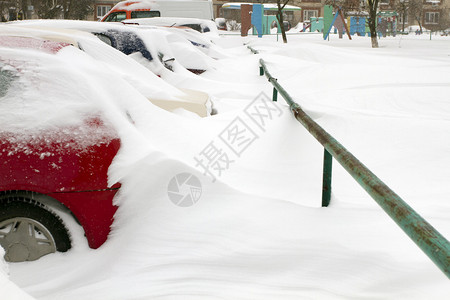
(138, 66)
(175, 34)
(150, 41)
(199, 25)
(159, 46)
(55, 150)
(221, 23)
(131, 9)
(129, 42)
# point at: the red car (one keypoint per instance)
(49, 169)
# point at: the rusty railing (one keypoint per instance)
(435, 245)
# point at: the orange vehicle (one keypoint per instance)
(130, 10)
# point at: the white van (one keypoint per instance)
(135, 9)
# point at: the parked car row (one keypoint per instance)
(156, 44)
(56, 141)
(143, 49)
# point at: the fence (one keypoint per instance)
(418, 229)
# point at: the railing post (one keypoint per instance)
(261, 71)
(275, 95)
(326, 181)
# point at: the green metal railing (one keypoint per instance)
(435, 245)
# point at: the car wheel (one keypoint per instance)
(29, 230)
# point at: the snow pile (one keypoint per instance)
(42, 73)
(9, 290)
(189, 48)
(258, 230)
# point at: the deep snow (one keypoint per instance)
(258, 231)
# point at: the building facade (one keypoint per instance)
(430, 14)
(101, 8)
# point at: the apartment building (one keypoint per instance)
(431, 14)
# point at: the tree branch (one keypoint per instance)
(285, 2)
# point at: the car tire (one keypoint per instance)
(30, 230)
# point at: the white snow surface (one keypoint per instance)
(8, 289)
(258, 232)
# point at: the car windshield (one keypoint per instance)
(128, 43)
(116, 17)
(7, 76)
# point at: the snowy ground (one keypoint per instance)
(258, 231)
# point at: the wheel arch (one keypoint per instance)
(30, 227)
(95, 214)
(53, 204)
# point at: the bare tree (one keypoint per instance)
(4, 6)
(444, 21)
(280, 5)
(10, 10)
(372, 9)
(47, 9)
(67, 9)
(76, 9)
(415, 8)
(344, 5)
(371, 6)
(402, 6)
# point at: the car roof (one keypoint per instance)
(31, 43)
(152, 87)
(51, 34)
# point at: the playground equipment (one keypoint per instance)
(252, 16)
(387, 23)
(306, 25)
(357, 23)
(316, 24)
(337, 21)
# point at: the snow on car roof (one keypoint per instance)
(174, 21)
(46, 90)
(31, 43)
(139, 76)
(135, 4)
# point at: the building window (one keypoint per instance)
(431, 18)
(102, 10)
(307, 14)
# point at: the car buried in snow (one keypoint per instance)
(200, 25)
(138, 66)
(148, 45)
(55, 150)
